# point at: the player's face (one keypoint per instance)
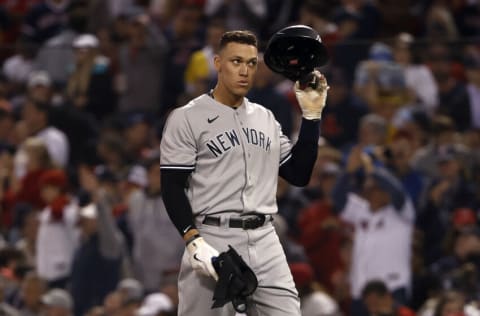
(236, 65)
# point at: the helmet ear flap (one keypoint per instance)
(295, 51)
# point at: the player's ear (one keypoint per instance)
(216, 62)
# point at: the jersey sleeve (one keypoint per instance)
(285, 146)
(178, 147)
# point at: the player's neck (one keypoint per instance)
(224, 97)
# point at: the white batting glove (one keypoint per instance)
(201, 255)
(312, 100)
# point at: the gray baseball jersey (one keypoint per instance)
(234, 155)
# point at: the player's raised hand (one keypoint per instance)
(311, 94)
(201, 254)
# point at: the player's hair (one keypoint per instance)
(242, 37)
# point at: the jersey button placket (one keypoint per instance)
(239, 123)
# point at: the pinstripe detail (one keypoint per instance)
(179, 167)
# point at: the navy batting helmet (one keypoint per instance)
(295, 51)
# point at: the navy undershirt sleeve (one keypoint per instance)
(298, 169)
(176, 201)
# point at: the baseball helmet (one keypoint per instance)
(295, 51)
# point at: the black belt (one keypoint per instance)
(249, 222)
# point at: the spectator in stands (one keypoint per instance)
(96, 266)
(321, 231)
(472, 69)
(200, 75)
(18, 67)
(313, 300)
(35, 115)
(112, 303)
(5, 308)
(340, 119)
(382, 215)
(448, 191)
(30, 298)
(39, 87)
(439, 23)
(112, 154)
(12, 270)
(136, 134)
(466, 14)
(55, 56)
(373, 131)
(294, 200)
(356, 20)
(453, 303)
(459, 270)
(442, 134)
(182, 34)
(418, 124)
(453, 96)
(318, 16)
(293, 250)
(398, 156)
(142, 64)
(45, 20)
(380, 82)
(379, 301)
(57, 302)
(132, 295)
(244, 14)
(418, 77)
(90, 86)
(369, 15)
(81, 129)
(152, 232)
(57, 236)
(38, 162)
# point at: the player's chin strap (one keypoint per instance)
(236, 281)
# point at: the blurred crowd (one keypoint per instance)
(388, 225)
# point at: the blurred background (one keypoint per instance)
(388, 224)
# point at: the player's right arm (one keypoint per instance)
(177, 162)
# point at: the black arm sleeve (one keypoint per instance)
(298, 169)
(176, 202)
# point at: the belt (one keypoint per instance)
(249, 222)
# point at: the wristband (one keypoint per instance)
(191, 235)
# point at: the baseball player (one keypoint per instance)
(220, 159)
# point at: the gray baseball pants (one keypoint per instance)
(261, 249)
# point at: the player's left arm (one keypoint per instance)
(297, 167)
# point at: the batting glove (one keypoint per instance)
(312, 98)
(201, 255)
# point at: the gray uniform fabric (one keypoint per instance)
(234, 156)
